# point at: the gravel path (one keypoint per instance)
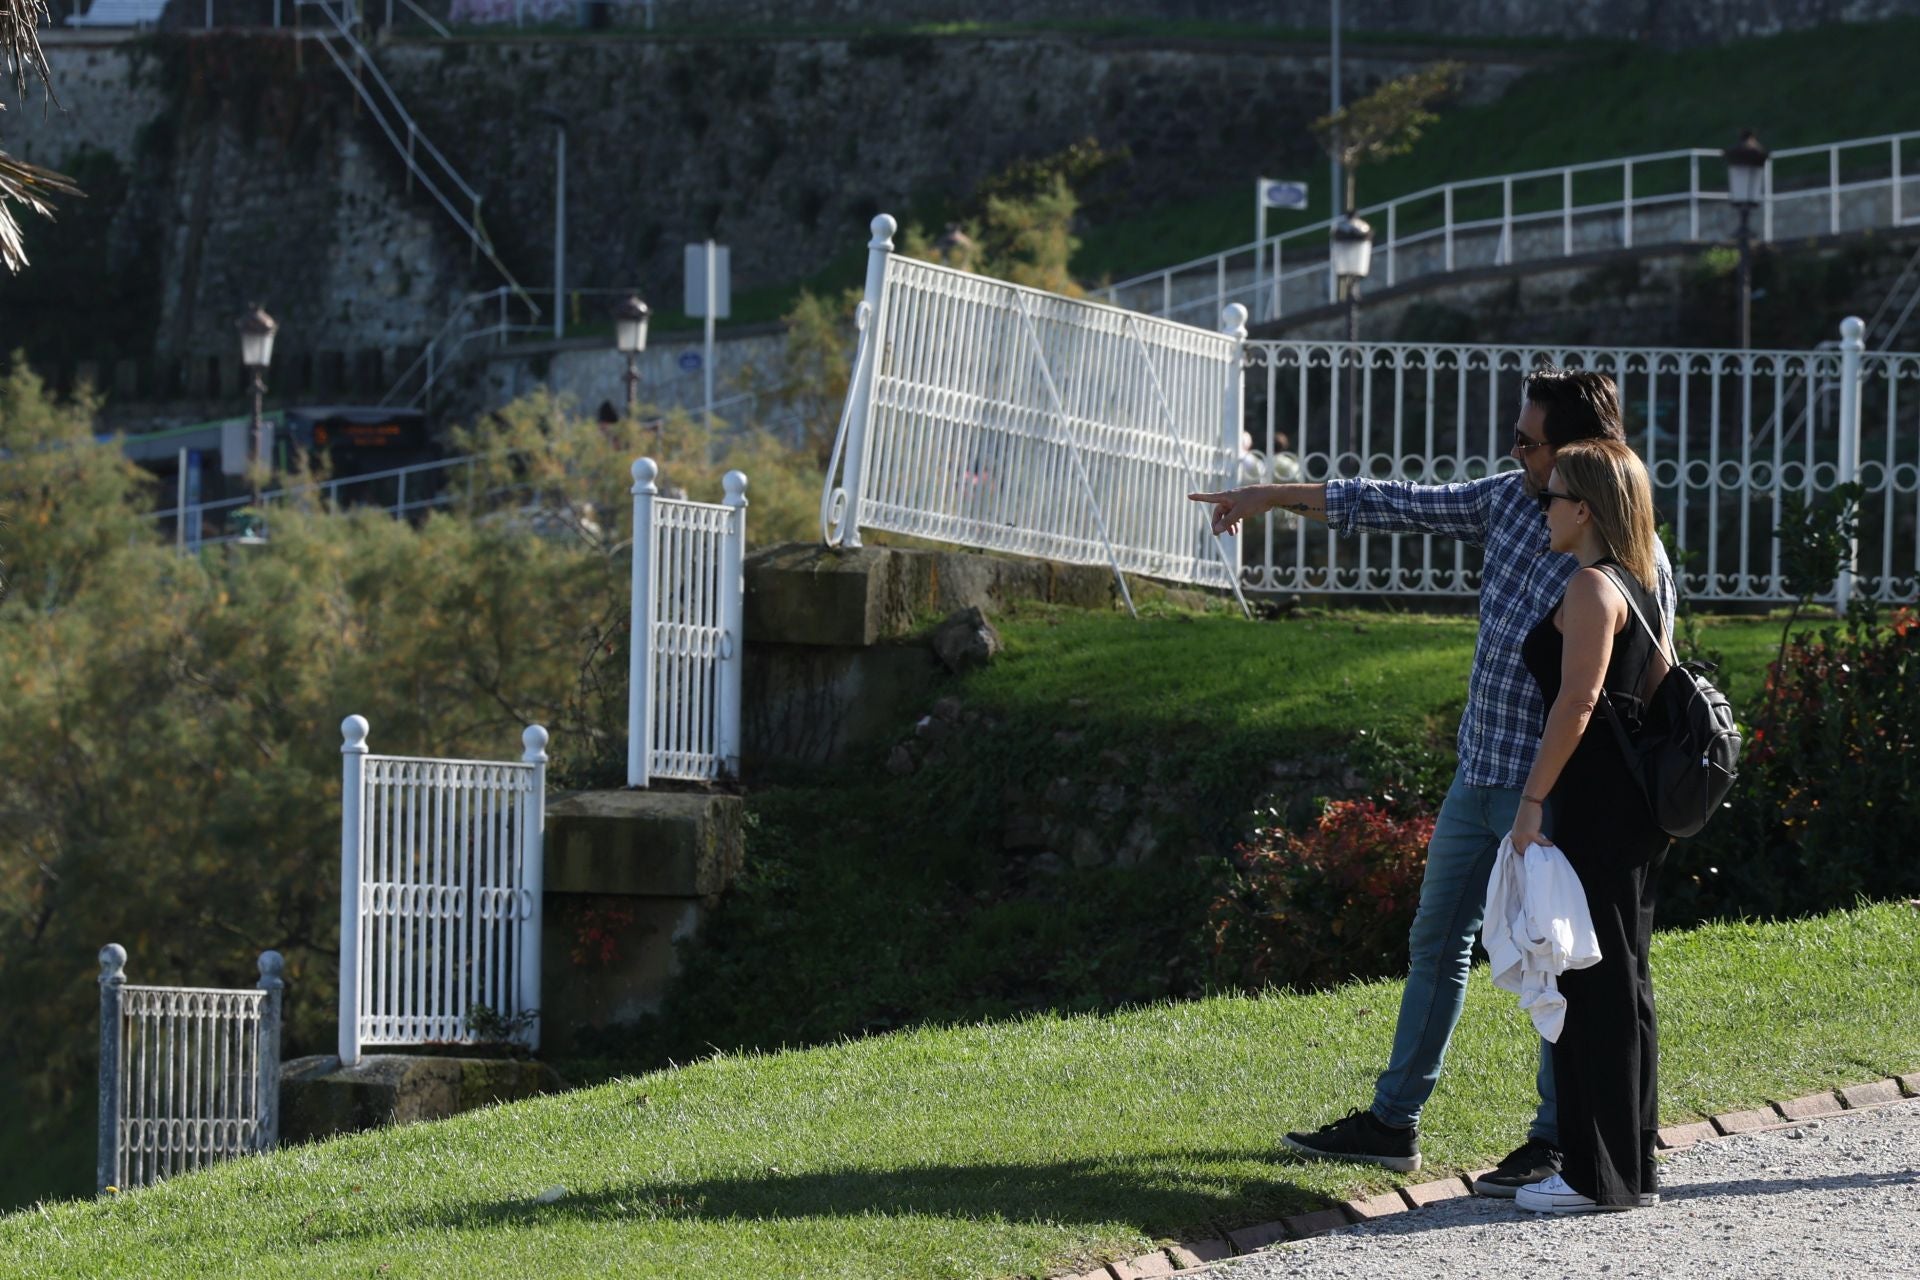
(1834, 1197)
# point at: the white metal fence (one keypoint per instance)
(188, 1075)
(991, 415)
(1726, 436)
(1660, 198)
(687, 649)
(440, 875)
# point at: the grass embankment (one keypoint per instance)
(1597, 102)
(871, 902)
(994, 1149)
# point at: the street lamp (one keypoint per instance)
(630, 339)
(1352, 253)
(256, 353)
(1746, 182)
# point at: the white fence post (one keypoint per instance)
(860, 396)
(733, 609)
(113, 977)
(1852, 333)
(1233, 414)
(533, 816)
(640, 627)
(353, 752)
(273, 982)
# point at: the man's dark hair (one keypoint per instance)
(1580, 405)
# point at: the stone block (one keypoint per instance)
(1380, 1206)
(1675, 1136)
(1317, 1223)
(1197, 1253)
(1145, 1267)
(1811, 1107)
(1746, 1121)
(1874, 1094)
(319, 1098)
(1909, 1083)
(1259, 1236)
(1422, 1194)
(808, 705)
(664, 844)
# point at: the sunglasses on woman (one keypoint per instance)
(1547, 496)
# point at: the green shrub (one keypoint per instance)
(1829, 778)
(1326, 905)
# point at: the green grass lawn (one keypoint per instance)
(1007, 1148)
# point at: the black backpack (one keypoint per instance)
(1688, 745)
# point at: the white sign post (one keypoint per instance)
(1272, 193)
(709, 294)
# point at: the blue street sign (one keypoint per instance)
(689, 362)
(1283, 195)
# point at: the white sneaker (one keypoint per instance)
(1554, 1196)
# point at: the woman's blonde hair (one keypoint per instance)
(1610, 478)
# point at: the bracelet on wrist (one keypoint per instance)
(1536, 799)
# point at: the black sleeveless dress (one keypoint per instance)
(1605, 1064)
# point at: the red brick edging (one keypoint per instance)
(1186, 1255)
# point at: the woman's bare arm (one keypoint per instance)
(1593, 613)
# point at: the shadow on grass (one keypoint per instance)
(1164, 1194)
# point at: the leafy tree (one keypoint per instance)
(1386, 123)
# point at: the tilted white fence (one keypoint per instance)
(1661, 198)
(996, 416)
(1726, 436)
(188, 1075)
(440, 874)
(687, 647)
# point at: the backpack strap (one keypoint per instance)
(1673, 659)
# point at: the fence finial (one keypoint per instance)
(1853, 329)
(1233, 321)
(535, 742)
(644, 471)
(735, 484)
(883, 227)
(353, 731)
(273, 967)
(113, 965)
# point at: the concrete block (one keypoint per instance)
(1811, 1107)
(319, 1098)
(1380, 1206)
(1422, 1194)
(1147, 1266)
(1746, 1121)
(1259, 1236)
(1198, 1253)
(1874, 1094)
(661, 844)
(1317, 1223)
(1675, 1136)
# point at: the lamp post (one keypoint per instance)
(1746, 181)
(1352, 253)
(630, 339)
(559, 123)
(256, 352)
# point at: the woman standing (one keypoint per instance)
(1599, 507)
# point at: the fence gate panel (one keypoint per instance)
(992, 415)
(188, 1075)
(441, 879)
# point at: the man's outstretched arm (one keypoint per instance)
(1250, 501)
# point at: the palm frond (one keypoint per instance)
(32, 186)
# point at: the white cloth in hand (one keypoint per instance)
(1537, 927)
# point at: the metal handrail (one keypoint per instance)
(1269, 250)
(470, 226)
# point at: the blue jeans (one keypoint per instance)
(1453, 896)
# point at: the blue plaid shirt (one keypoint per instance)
(1521, 582)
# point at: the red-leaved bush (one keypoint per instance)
(1318, 907)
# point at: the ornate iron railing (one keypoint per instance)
(188, 1075)
(687, 651)
(440, 873)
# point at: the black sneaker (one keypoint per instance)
(1362, 1137)
(1535, 1161)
